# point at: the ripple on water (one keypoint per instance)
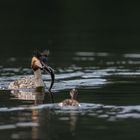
(18, 125)
(101, 54)
(66, 80)
(69, 84)
(132, 55)
(108, 112)
(89, 77)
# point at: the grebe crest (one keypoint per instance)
(70, 102)
(38, 63)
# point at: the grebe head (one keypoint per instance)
(73, 93)
(40, 61)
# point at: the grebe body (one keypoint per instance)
(38, 63)
(72, 101)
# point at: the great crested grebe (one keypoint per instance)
(38, 63)
(72, 101)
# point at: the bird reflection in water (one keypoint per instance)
(73, 123)
(34, 97)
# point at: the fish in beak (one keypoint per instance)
(48, 69)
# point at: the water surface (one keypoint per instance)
(108, 86)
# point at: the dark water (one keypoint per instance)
(108, 86)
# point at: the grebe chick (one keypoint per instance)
(38, 63)
(72, 101)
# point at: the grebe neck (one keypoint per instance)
(38, 78)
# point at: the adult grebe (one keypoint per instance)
(38, 63)
(72, 101)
